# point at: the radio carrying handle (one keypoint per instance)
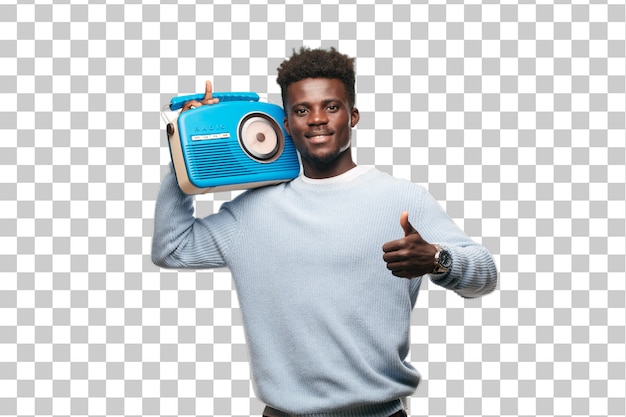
(178, 102)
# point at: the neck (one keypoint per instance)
(319, 171)
(328, 166)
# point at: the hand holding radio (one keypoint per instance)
(410, 256)
(207, 99)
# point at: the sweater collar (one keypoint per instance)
(347, 176)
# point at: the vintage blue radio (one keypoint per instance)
(236, 144)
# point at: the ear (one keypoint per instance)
(354, 117)
(286, 125)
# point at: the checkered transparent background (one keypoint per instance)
(512, 115)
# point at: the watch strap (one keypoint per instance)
(442, 260)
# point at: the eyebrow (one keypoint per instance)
(324, 102)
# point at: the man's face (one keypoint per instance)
(319, 119)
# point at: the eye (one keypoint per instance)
(301, 111)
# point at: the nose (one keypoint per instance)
(318, 117)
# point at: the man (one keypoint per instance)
(328, 266)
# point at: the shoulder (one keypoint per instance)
(392, 183)
(256, 195)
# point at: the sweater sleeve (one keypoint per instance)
(181, 240)
(473, 271)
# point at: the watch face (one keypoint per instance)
(445, 260)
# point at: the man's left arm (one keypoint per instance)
(439, 248)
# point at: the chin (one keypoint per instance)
(322, 161)
(325, 160)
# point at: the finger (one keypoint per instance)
(394, 266)
(400, 255)
(191, 104)
(394, 256)
(208, 91)
(403, 270)
(393, 246)
(208, 94)
(406, 225)
(402, 273)
(397, 266)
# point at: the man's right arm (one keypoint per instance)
(181, 240)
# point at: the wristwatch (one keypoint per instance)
(443, 260)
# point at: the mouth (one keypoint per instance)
(318, 136)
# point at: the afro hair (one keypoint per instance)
(318, 63)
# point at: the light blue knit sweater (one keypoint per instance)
(326, 322)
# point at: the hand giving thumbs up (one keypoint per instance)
(410, 256)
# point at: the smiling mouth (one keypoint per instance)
(314, 135)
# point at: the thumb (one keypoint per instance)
(406, 225)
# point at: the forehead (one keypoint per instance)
(313, 90)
